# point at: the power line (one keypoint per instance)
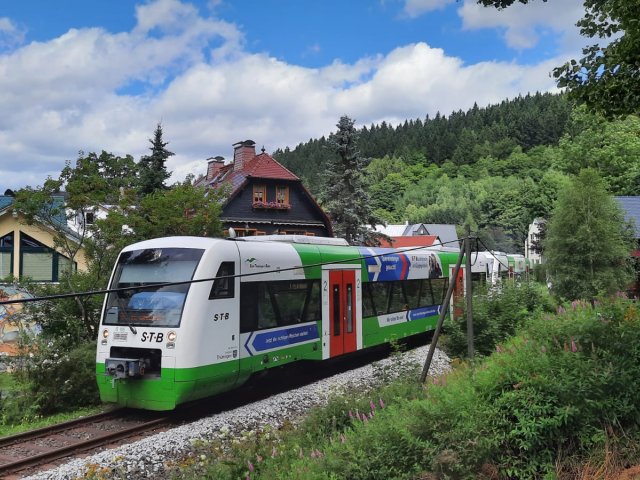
(61, 296)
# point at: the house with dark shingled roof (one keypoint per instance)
(265, 198)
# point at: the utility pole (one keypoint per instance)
(443, 311)
(469, 293)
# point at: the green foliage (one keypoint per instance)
(551, 400)
(588, 244)
(52, 375)
(606, 77)
(152, 169)
(497, 315)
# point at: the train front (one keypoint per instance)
(135, 358)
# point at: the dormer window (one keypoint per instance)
(282, 195)
(259, 194)
(89, 218)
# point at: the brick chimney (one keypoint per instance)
(214, 166)
(243, 152)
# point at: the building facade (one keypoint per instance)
(265, 198)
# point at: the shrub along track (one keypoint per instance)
(46, 445)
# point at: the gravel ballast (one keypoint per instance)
(146, 458)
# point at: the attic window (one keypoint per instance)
(259, 193)
(89, 218)
(282, 195)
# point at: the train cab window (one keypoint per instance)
(223, 285)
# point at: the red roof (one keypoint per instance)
(264, 166)
(410, 241)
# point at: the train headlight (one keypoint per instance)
(171, 336)
(105, 333)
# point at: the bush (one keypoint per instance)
(53, 377)
(561, 397)
(497, 315)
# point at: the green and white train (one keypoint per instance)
(275, 300)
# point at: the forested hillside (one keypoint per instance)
(496, 168)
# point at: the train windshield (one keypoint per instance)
(159, 306)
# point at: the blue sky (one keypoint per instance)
(99, 75)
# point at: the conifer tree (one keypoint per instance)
(344, 196)
(152, 169)
(588, 245)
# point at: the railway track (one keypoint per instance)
(43, 446)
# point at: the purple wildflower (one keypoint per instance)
(574, 347)
(561, 309)
(350, 414)
(371, 415)
(250, 465)
(381, 404)
(373, 405)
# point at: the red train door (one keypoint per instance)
(342, 312)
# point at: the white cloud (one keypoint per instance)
(523, 24)
(74, 93)
(10, 34)
(415, 8)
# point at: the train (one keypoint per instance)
(189, 317)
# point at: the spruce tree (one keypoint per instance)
(152, 169)
(343, 195)
(588, 244)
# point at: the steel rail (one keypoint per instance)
(77, 447)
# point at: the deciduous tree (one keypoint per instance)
(607, 77)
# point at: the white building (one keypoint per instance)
(532, 237)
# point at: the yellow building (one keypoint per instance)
(29, 250)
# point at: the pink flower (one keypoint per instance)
(258, 458)
(365, 419)
(371, 415)
(350, 414)
(250, 465)
(574, 347)
(561, 309)
(381, 404)
(313, 454)
(373, 405)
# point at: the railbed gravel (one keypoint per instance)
(147, 458)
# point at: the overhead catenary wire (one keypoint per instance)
(150, 286)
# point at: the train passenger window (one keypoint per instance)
(426, 295)
(397, 298)
(380, 296)
(313, 309)
(412, 292)
(368, 308)
(223, 287)
(290, 298)
(275, 304)
(439, 286)
(267, 317)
